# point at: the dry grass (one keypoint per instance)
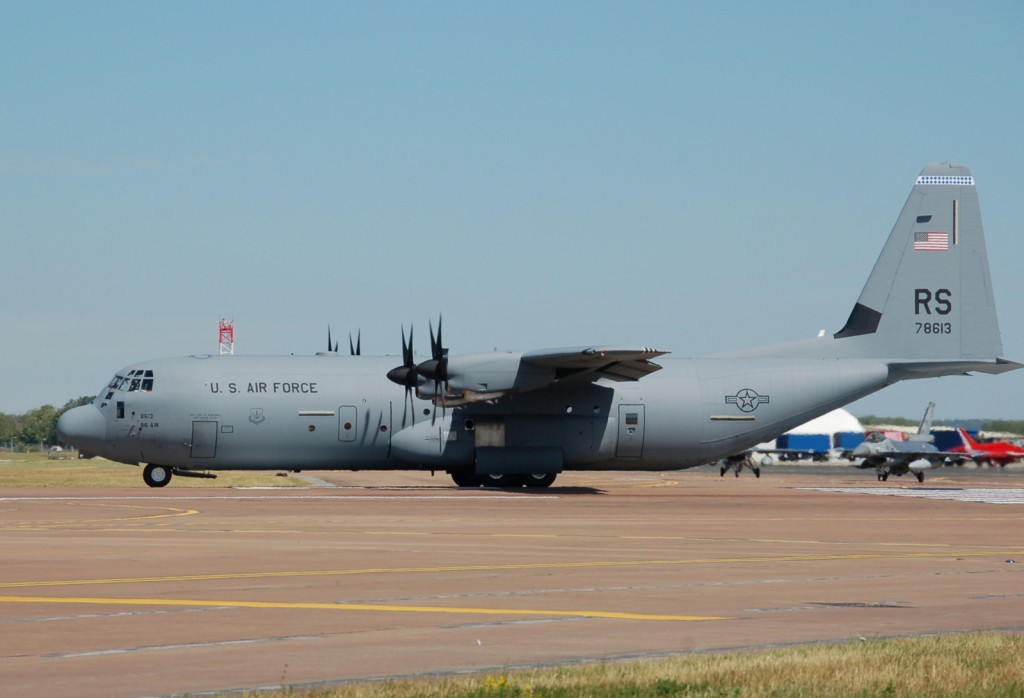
(24, 470)
(984, 664)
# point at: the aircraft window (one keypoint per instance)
(149, 374)
(109, 395)
(147, 384)
(135, 385)
(923, 219)
(115, 382)
(875, 437)
(120, 410)
(125, 383)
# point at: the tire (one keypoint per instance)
(501, 481)
(156, 475)
(757, 472)
(537, 480)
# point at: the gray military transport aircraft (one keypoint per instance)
(514, 419)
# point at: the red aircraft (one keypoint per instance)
(995, 452)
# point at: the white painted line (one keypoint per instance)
(1008, 495)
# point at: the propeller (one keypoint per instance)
(331, 347)
(406, 375)
(356, 350)
(436, 368)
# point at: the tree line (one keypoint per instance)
(1003, 426)
(35, 427)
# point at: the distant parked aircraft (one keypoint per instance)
(994, 452)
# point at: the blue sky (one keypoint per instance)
(699, 177)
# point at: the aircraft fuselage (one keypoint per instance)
(340, 412)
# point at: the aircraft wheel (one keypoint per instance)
(156, 475)
(465, 478)
(737, 472)
(880, 478)
(920, 477)
(500, 481)
(757, 472)
(721, 471)
(884, 476)
(535, 480)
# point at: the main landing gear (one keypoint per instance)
(467, 478)
(739, 462)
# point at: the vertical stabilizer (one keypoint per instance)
(924, 430)
(929, 296)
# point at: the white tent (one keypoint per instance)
(834, 421)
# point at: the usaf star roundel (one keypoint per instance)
(746, 399)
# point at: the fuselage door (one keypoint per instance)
(347, 423)
(631, 432)
(204, 439)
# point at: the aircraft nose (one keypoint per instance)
(861, 451)
(83, 427)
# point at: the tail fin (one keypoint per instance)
(969, 443)
(925, 429)
(928, 307)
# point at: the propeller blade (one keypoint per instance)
(328, 338)
(357, 349)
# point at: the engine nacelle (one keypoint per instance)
(496, 373)
(434, 445)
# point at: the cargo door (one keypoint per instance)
(204, 439)
(631, 432)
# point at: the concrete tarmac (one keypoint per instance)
(167, 591)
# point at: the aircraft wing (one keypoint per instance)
(617, 363)
(901, 457)
(476, 377)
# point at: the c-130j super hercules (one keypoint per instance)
(510, 419)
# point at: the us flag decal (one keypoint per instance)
(931, 242)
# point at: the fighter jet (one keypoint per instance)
(991, 452)
(890, 457)
(514, 419)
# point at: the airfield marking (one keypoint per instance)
(513, 566)
(491, 496)
(1010, 495)
(203, 603)
(170, 513)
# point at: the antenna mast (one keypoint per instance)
(227, 336)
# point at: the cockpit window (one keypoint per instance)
(135, 380)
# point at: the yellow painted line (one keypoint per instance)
(203, 603)
(520, 566)
(63, 523)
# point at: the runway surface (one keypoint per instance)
(158, 592)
